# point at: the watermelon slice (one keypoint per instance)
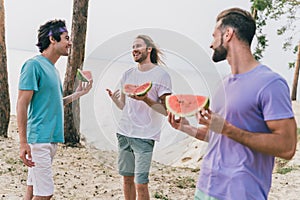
(139, 90)
(185, 105)
(84, 76)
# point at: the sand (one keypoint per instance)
(87, 173)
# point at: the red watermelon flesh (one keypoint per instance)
(184, 105)
(138, 90)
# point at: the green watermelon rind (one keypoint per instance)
(142, 93)
(189, 114)
(81, 76)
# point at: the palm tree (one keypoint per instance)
(4, 92)
(75, 60)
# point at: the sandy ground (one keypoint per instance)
(87, 173)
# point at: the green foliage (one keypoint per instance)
(261, 46)
(265, 10)
(291, 65)
(281, 30)
(185, 182)
(295, 49)
(284, 170)
(261, 5)
(160, 195)
(280, 166)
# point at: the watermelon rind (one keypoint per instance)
(81, 76)
(145, 91)
(171, 109)
(135, 88)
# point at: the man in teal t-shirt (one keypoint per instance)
(40, 108)
(45, 116)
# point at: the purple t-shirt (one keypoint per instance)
(231, 170)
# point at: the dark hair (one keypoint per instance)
(241, 20)
(52, 28)
(156, 54)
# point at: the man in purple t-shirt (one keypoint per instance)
(250, 120)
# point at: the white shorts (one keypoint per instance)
(40, 176)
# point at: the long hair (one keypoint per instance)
(156, 54)
(241, 20)
(52, 28)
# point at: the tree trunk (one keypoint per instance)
(4, 92)
(75, 60)
(296, 76)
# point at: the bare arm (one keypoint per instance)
(82, 89)
(183, 125)
(280, 143)
(117, 97)
(24, 99)
(159, 107)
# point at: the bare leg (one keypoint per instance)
(42, 197)
(29, 193)
(143, 192)
(129, 188)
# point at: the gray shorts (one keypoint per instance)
(135, 157)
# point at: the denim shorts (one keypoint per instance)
(134, 158)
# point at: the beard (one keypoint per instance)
(142, 57)
(220, 53)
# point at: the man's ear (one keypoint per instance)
(51, 38)
(229, 33)
(149, 49)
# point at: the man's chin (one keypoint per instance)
(137, 60)
(216, 60)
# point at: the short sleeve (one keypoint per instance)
(29, 77)
(165, 86)
(122, 81)
(275, 101)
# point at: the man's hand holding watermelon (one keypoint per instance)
(212, 121)
(82, 89)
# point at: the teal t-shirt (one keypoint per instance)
(45, 112)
